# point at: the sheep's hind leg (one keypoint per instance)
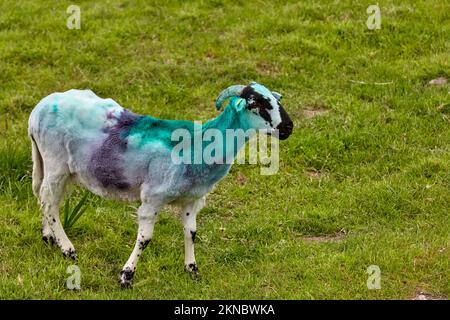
(146, 218)
(47, 233)
(51, 194)
(190, 230)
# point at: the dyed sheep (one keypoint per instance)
(80, 138)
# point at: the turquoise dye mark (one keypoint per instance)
(76, 110)
(147, 131)
(261, 89)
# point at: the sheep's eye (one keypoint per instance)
(255, 105)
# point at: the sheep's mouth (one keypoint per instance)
(284, 130)
(283, 135)
(280, 134)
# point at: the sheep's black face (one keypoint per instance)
(265, 108)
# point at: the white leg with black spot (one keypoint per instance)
(190, 230)
(147, 215)
(51, 194)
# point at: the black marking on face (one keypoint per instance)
(54, 220)
(143, 244)
(257, 102)
(286, 125)
(187, 214)
(193, 234)
(265, 115)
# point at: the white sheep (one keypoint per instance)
(80, 138)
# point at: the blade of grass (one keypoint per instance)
(78, 216)
(73, 215)
(66, 212)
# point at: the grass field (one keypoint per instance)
(363, 180)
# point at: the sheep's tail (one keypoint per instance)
(38, 168)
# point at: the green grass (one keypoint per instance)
(373, 171)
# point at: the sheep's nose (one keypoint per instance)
(285, 129)
(285, 126)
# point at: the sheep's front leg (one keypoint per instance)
(190, 230)
(146, 217)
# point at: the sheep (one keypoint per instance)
(80, 138)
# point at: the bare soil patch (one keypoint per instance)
(327, 238)
(312, 113)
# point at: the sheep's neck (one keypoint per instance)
(230, 121)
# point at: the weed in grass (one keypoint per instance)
(71, 215)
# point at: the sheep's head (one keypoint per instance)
(260, 107)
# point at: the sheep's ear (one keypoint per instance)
(277, 95)
(238, 103)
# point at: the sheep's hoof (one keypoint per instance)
(126, 278)
(193, 270)
(70, 253)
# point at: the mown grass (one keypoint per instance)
(372, 172)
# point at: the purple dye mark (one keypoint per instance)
(107, 161)
(110, 115)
